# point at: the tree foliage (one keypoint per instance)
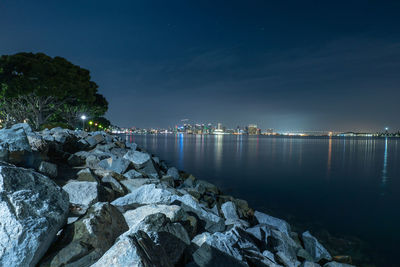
(42, 89)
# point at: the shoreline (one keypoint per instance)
(117, 197)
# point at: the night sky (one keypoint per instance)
(287, 65)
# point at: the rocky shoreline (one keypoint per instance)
(72, 198)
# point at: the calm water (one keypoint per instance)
(346, 190)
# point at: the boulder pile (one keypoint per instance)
(72, 198)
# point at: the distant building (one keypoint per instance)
(252, 129)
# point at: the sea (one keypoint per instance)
(345, 190)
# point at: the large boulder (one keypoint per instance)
(136, 216)
(86, 240)
(115, 164)
(82, 195)
(146, 194)
(133, 174)
(273, 222)
(230, 245)
(171, 236)
(135, 250)
(32, 210)
(281, 243)
(211, 222)
(14, 145)
(314, 248)
(139, 159)
(133, 184)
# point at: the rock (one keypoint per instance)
(208, 256)
(150, 170)
(32, 210)
(82, 194)
(136, 250)
(172, 237)
(89, 238)
(273, 222)
(118, 152)
(139, 159)
(302, 254)
(309, 264)
(133, 184)
(37, 142)
(117, 187)
(229, 245)
(207, 187)
(212, 222)
(314, 248)
(146, 194)
(168, 180)
(243, 209)
(86, 175)
(131, 146)
(133, 174)
(173, 212)
(173, 172)
(286, 261)
(280, 242)
(94, 140)
(229, 211)
(14, 145)
(337, 264)
(261, 232)
(118, 165)
(75, 161)
(49, 169)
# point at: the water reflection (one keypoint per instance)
(384, 169)
(329, 156)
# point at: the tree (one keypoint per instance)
(38, 88)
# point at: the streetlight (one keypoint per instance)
(83, 118)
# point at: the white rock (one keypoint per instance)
(82, 193)
(136, 250)
(146, 194)
(139, 159)
(276, 223)
(133, 184)
(134, 217)
(118, 165)
(32, 210)
(314, 248)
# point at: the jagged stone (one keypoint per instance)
(173, 212)
(273, 222)
(150, 170)
(32, 210)
(172, 237)
(316, 250)
(139, 159)
(85, 241)
(14, 145)
(136, 250)
(146, 194)
(133, 184)
(82, 194)
(117, 165)
(115, 185)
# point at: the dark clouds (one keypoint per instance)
(300, 66)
